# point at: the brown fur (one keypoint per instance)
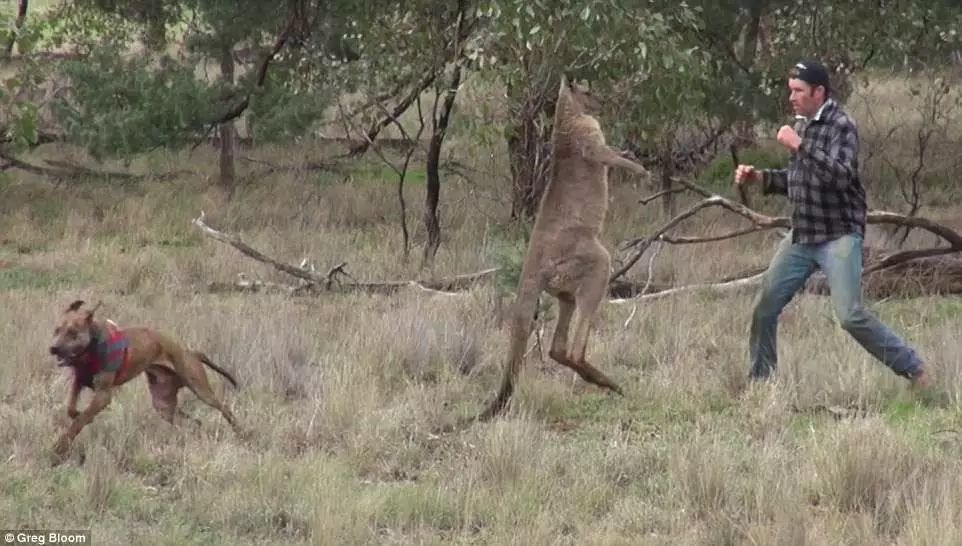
(167, 365)
(565, 255)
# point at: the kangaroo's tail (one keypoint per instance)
(521, 325)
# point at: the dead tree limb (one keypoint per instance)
(687, 240)
(662, 193)
(401, 171)
(717, 287)
(901, 260)
(64, 169)
(316, 280)
(393, 115)
(79, 170)
(641, 244)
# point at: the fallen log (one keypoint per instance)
(65, 170)
(905, 273)
(920, 277)
(315, 282)
(908, 273)
(715, 288)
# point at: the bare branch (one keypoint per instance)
(662, 193)
(63, 169)
(711, 238)
(392, 116)
(763, 222)
(436, 286)
(719, 287)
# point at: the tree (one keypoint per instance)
(124, 104)
(620, 47)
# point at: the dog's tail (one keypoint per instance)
(204, 358)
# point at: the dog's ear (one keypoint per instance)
(75, 305)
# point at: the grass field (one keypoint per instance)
(342, 391)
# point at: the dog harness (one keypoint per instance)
(109, 353)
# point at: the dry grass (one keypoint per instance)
(343, 391)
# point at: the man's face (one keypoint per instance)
(805, 99)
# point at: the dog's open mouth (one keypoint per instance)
(67, 360)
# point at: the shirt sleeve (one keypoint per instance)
(834, 165)
(775, 181)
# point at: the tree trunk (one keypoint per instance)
(745, 127)
(18, 24)
(225, 181)
(529, 151)
(668, 171)
(433, 195)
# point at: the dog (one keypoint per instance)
(104, 356)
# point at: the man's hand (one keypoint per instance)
(747, 173)
(788, 138)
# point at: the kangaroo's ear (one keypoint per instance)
(75, 305)
(566, 84)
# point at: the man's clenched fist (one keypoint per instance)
(788, 138)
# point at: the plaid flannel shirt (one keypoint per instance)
(822, 181)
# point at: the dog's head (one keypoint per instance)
(73, 334)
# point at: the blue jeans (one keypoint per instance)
(841, 261)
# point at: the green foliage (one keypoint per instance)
(507, 252)
(122, 107)
(22, 129)
(152, 16)
(624, 49)
(122, 104)
(663, 68)
(719, 174)
(283, 110)
(225, 23)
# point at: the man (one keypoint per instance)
(828, 226)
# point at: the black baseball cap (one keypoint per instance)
(811, 72)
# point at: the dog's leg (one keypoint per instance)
(103, 383)
(196, 381)
(188, 416)
(163, 384)
(207, 396)
(72, 394)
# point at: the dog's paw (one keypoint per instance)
(55, 460)
(62, 446)
(56, 457)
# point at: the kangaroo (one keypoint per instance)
(565, 256)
